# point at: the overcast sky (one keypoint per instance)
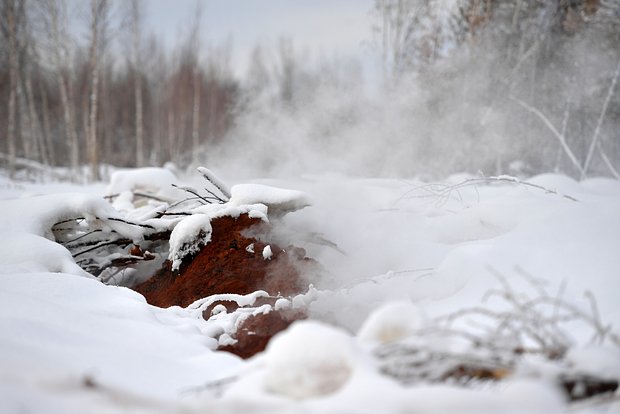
(324, 27)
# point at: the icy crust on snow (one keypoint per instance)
(278, 200)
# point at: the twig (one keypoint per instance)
(131, 223)
(207, 200)
(81, 237)
(119, 242)
(446, 191)
(215, 181)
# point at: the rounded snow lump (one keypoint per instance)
(391, 322)
(308, 360)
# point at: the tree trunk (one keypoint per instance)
(171, 137)
(137, 68)
(39, 141)
(47, 131)
(58, 30)
(25, 123)
(98, 11)
(196, 115)
(10, 14)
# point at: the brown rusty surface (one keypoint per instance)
(256, 331)
(224, 266)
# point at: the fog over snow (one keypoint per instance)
(456, 182)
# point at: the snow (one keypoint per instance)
(188, 236)
(38, 214)
(157, 182)
(29, 253)
(277, 200)
(56, 328)
(392, 322)
(310, 359)
(602, 361)
(213, 179)
(399, 255)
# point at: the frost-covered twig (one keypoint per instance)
(528, 325)
(117, 242)
(207, 200)
(444, 191)
(217, 183)
(136, 194)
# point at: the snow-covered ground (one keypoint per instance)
(398, 256)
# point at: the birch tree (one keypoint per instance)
(99, 10)
(58, 34)
(136, 8)
(194, 44)
(12, 10)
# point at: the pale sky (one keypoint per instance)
(324, 27)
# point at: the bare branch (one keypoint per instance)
(555, 132)
(597, 130)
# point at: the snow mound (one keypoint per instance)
(188, 237)
(26, 253)
(279, 201)
(152, 180)
(392, 322)
(37, 215)
(309, 359)
(59, 327)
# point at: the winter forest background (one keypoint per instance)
(498, 86)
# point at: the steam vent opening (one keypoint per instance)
(233, 263)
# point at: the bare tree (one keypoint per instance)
(409, 35)
(136, 8)
(13, 11)
(98, 23)
(57, 30)
(194, 44)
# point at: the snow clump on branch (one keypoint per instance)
(188, 237)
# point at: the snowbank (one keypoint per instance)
(279, 201)
(157, 182)
(29, 253)
(56, 328)
(413, 252)
(37, 215)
